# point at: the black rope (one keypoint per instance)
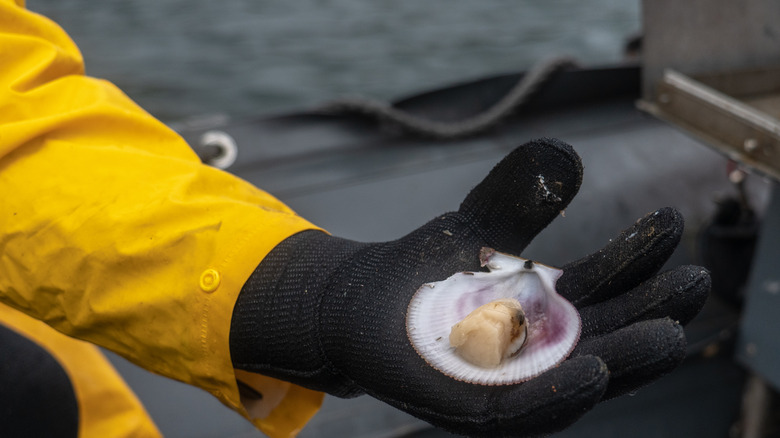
(515, 98)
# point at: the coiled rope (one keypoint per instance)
(395, 117)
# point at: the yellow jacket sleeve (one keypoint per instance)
(112, 231)
(107, 407)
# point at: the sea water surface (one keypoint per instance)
(189, 58)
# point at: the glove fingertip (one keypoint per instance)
(660, 347)
(583, 382)
(529, 187)
(634, 256)
(668, 218)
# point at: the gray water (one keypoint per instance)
(189, 58)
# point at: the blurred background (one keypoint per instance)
(189, 58)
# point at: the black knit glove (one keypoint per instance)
(329, 314)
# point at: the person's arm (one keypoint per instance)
(46, 374)
(112, 230)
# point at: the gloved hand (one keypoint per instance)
(329, 313)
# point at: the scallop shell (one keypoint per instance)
(553, 323)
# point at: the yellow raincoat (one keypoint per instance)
(107, 407)
(112, 231)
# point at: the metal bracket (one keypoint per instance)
(733, 126)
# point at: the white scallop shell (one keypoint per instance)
(554, 323)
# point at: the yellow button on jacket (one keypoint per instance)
(112, 231)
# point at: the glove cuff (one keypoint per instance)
(275, 325)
